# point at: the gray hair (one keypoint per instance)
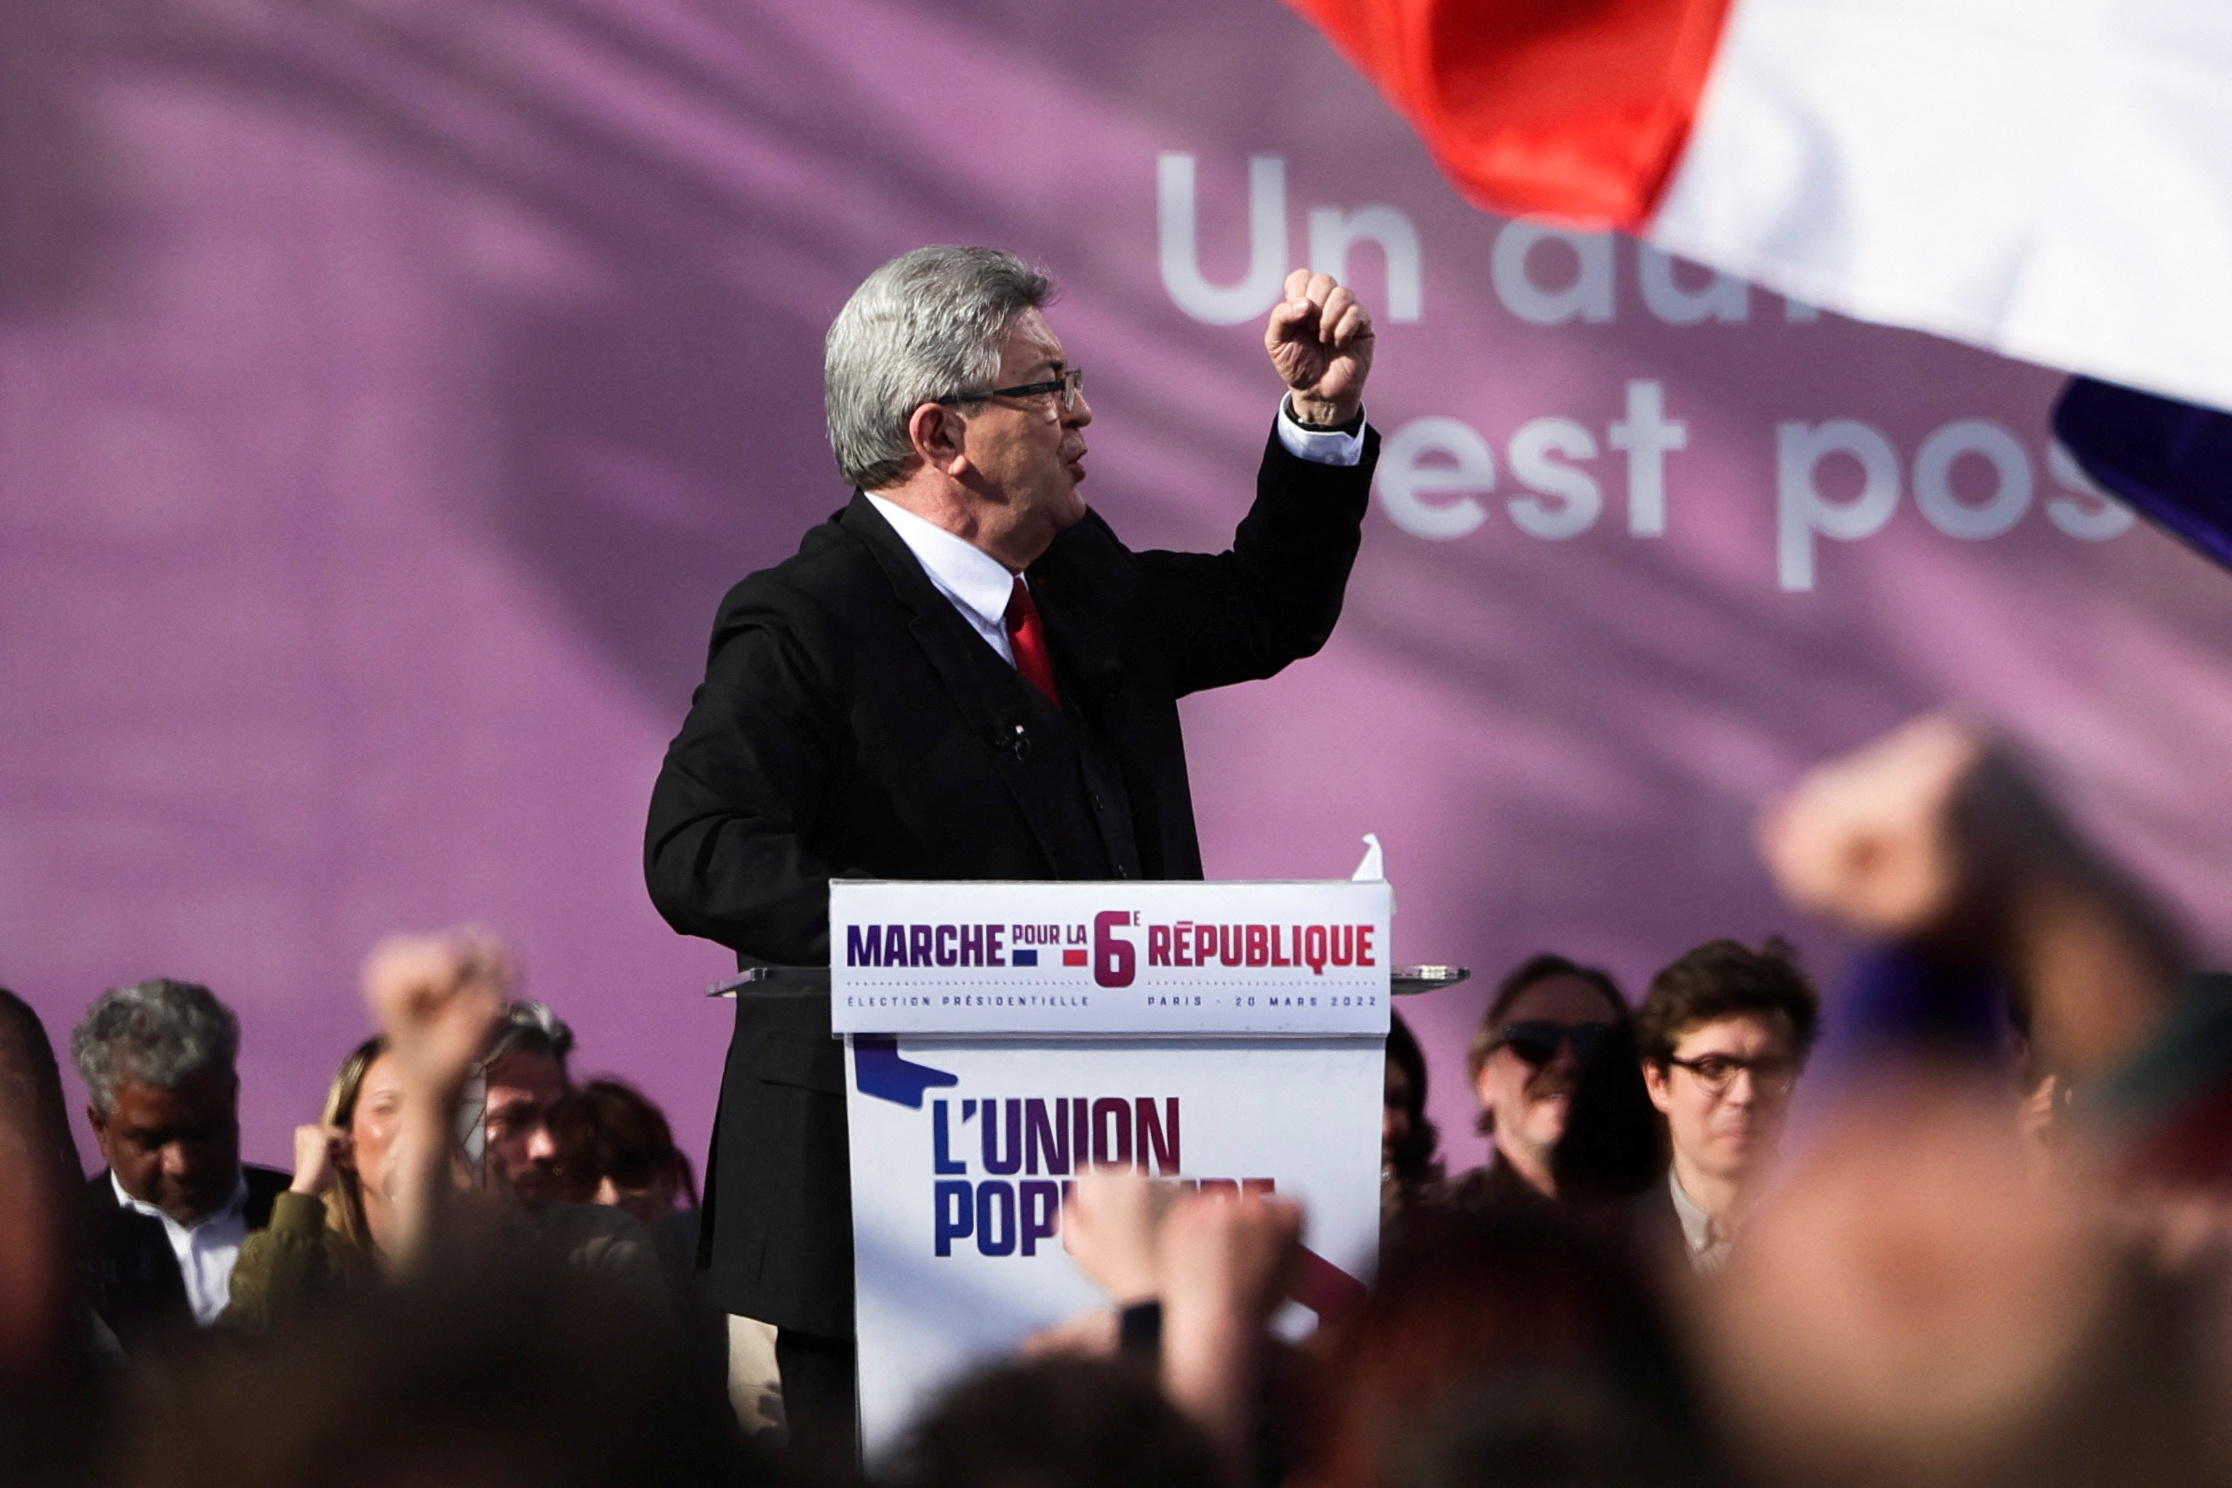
(531, 1028)
(159, 1031)
(927, 325)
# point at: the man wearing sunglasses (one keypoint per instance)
(1542, 1024)
(1723, 1036)
(963, 674)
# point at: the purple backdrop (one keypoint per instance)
(389, 389)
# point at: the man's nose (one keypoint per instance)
(1743, 1089)
(1078, 414)
(176, 1160)
(541, 1145)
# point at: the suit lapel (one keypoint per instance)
(1003, 710)
(1086, 657)
(134, 1276)
(1080, 585)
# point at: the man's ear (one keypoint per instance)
(938, 435)
(1654, 1084)
(97, 1121)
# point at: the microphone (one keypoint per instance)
(1011, 736)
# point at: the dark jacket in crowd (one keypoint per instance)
(133, 1275)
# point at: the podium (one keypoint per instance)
(1003, 1036)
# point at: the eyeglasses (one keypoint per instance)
(1773, 1075)
(1065, 387)
(1537, 1041)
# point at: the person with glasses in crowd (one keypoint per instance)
(1544, 1021)
(398, 1136)
(1723, 1036)
(964, 674)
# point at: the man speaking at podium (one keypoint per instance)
(962, 675)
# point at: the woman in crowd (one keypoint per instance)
(339, 1212)
(1409, 1166)
(616, 1148)
(372, 1174)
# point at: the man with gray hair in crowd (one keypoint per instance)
(168, 1216)
(963, 674)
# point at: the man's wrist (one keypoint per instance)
(1318, 417)
(1317, 444)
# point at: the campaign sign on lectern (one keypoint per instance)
(1002, 1036)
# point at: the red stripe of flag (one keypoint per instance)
(1073, 958)
(1574, 109)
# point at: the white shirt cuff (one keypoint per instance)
(1324, 447)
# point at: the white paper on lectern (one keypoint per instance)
(1373, 865)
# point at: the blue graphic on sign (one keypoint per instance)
(880, 1071)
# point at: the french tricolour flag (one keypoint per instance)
(2048, 178)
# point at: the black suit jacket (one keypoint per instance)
(852, 725)
(134, 1280)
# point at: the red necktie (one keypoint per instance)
(1027, 634)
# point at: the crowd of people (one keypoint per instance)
(1675, 1134)
(1997, 1254)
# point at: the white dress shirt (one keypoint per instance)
(1705, 1237)
(206, 1251)
(972, 580)
(978, 585)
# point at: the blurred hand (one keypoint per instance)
(1109, 1227)
(1225, 1261)
(1233, 1254)
(1088, 1335)
(1936, 831)
(1320, 340)
(1869, 840)
(439, 999)
(316, 1150)
(1911, 1294)
(2042, 1121)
